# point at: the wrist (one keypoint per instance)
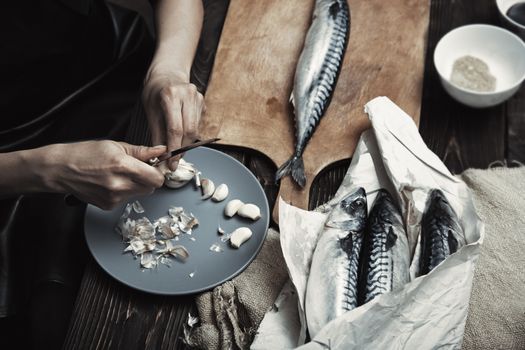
(164, 67)
(41, 168)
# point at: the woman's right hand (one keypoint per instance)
(103, 173)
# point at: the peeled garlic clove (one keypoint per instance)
(250, 211)
(239, 236)
(208, 187)
(232, 207)
(220, 194)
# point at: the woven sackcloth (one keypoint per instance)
(496, 317)
(231, 313)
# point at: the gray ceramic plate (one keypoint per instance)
(209, 268)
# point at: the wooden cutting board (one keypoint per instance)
(252, 78)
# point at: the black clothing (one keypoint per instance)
(71, 70)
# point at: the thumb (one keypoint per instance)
(143, 153)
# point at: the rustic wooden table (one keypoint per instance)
(109, 315)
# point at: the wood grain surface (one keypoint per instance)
(247, 98)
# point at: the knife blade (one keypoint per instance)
(156, 161)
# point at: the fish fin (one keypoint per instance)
(346, 225)
(391, 238)
(292, 101)
(283, 170)
(295, 166)
(452, 242)
(347, 243)
(298, 171)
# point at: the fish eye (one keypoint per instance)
(359, 204)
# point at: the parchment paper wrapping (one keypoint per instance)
(430, 311)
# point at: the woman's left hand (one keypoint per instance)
(173, 107)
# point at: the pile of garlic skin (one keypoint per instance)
(155, 242)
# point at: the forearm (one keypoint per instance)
(178, 25)
(25, 172)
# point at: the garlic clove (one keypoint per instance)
(208, 187)
(182, 175)
(250, 211)
(232, 207)
(220, 194)
(239, 236)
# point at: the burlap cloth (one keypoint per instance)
(231, 313)
(496, 317)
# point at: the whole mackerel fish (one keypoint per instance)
(316, 76)
(441, 232)
(385, 260)
(332, 282)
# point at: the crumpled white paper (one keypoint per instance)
(430, 311)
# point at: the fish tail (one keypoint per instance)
(295, 166)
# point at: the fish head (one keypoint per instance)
(352, 210)
(438, 206)
(386, 207)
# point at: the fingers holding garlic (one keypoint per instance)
(181, 176)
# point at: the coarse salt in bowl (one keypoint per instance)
(501, 50)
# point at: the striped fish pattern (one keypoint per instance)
(441, 232)
(316, 76)
(385, 259)
(332, 282)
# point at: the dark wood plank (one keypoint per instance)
(516, 128)
(327, 183)
(214, 15)
(463, 137)
(109, 315)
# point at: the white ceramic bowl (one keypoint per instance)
(503, 51)
(515, 27)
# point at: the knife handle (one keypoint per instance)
(72, 201)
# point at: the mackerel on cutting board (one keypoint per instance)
(248, 95)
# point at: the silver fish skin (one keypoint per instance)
(385, 259)
(332, 282)
(316, 76)
(441, 232)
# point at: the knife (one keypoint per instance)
(157, 160)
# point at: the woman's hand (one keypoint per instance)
(173, 107)
(104, 173)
